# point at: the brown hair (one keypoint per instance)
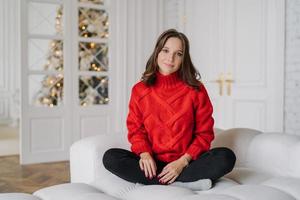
(186, 72)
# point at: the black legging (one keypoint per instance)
(212, 164)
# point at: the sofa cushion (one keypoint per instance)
(288, 185)
(293, 161)
(114, 185)
(248, 176)
(271, 152)
(257, 192)
(71, 191)
(207, 197)
(238, 140)
(94, 196)
(157, 192)
(18, 196)
(86, 157)
(219, 185)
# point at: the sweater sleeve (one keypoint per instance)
(137, 134)
(203, 128)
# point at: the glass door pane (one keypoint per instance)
(93, 51)
(45, 53)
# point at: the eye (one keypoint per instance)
(165, 50)
(179, 54)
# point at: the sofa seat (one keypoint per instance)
(224, 189)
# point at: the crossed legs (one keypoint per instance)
(212, 164)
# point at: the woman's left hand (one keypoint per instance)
(172, 170)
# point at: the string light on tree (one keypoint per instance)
(92, 23)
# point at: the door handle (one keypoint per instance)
(224, 79)
(220, 80)
(229, 80)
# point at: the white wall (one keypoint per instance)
(143, 25)
(145, 21)
(292, 70)
(9, 61)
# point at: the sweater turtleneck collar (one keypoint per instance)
(167, 81)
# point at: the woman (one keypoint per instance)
(170, 124)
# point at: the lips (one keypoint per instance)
(168, 65)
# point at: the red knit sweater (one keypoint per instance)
(169, 119)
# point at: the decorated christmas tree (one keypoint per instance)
(92, 23)
(51, 93)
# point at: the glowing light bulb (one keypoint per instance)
(92, 45)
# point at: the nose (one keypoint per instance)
(170, 57)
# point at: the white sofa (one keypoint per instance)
(267, 167)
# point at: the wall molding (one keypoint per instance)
(144, 23)
(9, 60)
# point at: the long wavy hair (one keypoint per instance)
(187, 72)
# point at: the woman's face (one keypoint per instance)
(170, 57)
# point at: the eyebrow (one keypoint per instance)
(168, 48)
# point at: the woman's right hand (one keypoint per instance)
(148, 165)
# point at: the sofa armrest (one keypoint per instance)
(86, 156)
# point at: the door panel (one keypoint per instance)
(202, 27)
(232, 45)
(241, 117)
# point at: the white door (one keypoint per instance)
(93, 73)
(46, 113)
(238, 47)
(68, 72)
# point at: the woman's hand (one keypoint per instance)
(148, 165)
(172, 170)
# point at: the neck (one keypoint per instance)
(167, 81)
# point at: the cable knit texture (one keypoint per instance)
(169, 119)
